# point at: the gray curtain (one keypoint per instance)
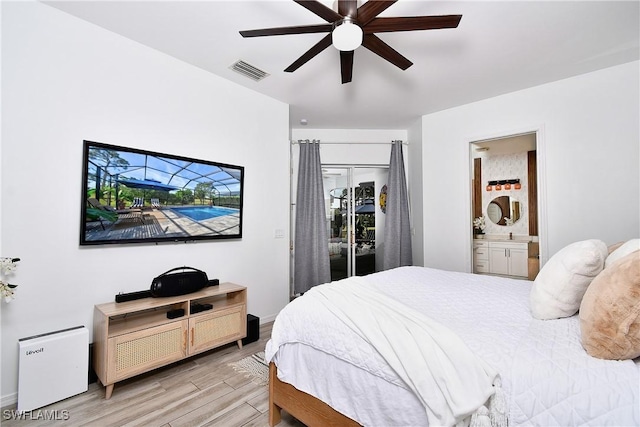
(311, 259)
(397, 230)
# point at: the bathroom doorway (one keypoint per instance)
(505, 206)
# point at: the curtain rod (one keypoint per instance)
(300, 141)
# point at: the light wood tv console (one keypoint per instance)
(134, 337)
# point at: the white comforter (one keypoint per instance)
(546, 375)
(448, 379)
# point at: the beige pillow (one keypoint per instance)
(610, 311)
(622, 251)
(559, 287)
(613, 247)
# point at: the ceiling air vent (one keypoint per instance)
(249, 70)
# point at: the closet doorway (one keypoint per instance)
(505, 206)
(355, 218)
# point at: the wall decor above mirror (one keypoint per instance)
(504, 210)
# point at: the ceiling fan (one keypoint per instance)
(352, 26)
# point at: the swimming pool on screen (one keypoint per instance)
(201, 213)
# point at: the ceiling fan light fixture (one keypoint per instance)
(346, 36)
(345, 27)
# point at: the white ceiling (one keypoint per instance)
(499, 47)
(509, 145)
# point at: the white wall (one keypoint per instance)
(506, 166)
(415, 188)
(1, 132)
(588, 156)
(65, 80)
(352, 146)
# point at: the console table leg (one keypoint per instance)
(108, 391)
(239, 343)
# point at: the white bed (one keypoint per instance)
(547, 377)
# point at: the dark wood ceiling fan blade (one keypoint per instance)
(412, 23)
(346, 66)
(319, 9)
(371, 9)
(300, 29)
(315, 49)
(380, 48)
(348, 8)
(366, 17)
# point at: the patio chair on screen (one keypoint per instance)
(138, 202)
(96, 204)
(155, 203)
(122, 214)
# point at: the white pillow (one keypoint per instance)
(559, 287)
(624, 250)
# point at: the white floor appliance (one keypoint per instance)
(53, 366)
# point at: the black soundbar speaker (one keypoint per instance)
(130, 296)
(253, 329)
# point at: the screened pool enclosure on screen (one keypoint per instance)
(136, 196)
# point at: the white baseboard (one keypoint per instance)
(8, 400)
(267, 319)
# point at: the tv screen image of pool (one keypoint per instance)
(135, 196)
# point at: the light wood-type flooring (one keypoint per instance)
(200, 391)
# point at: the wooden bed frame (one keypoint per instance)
(304, 407)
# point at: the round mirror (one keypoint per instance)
(504, 210)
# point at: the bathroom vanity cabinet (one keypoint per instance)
(507, 258)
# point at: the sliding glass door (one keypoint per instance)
(355, 218)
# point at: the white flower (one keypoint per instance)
(478, 223)
(7, 267)
(6, 291)
(508, 221)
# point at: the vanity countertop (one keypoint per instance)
(505, 238)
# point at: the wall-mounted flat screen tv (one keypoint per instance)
(138, 196)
